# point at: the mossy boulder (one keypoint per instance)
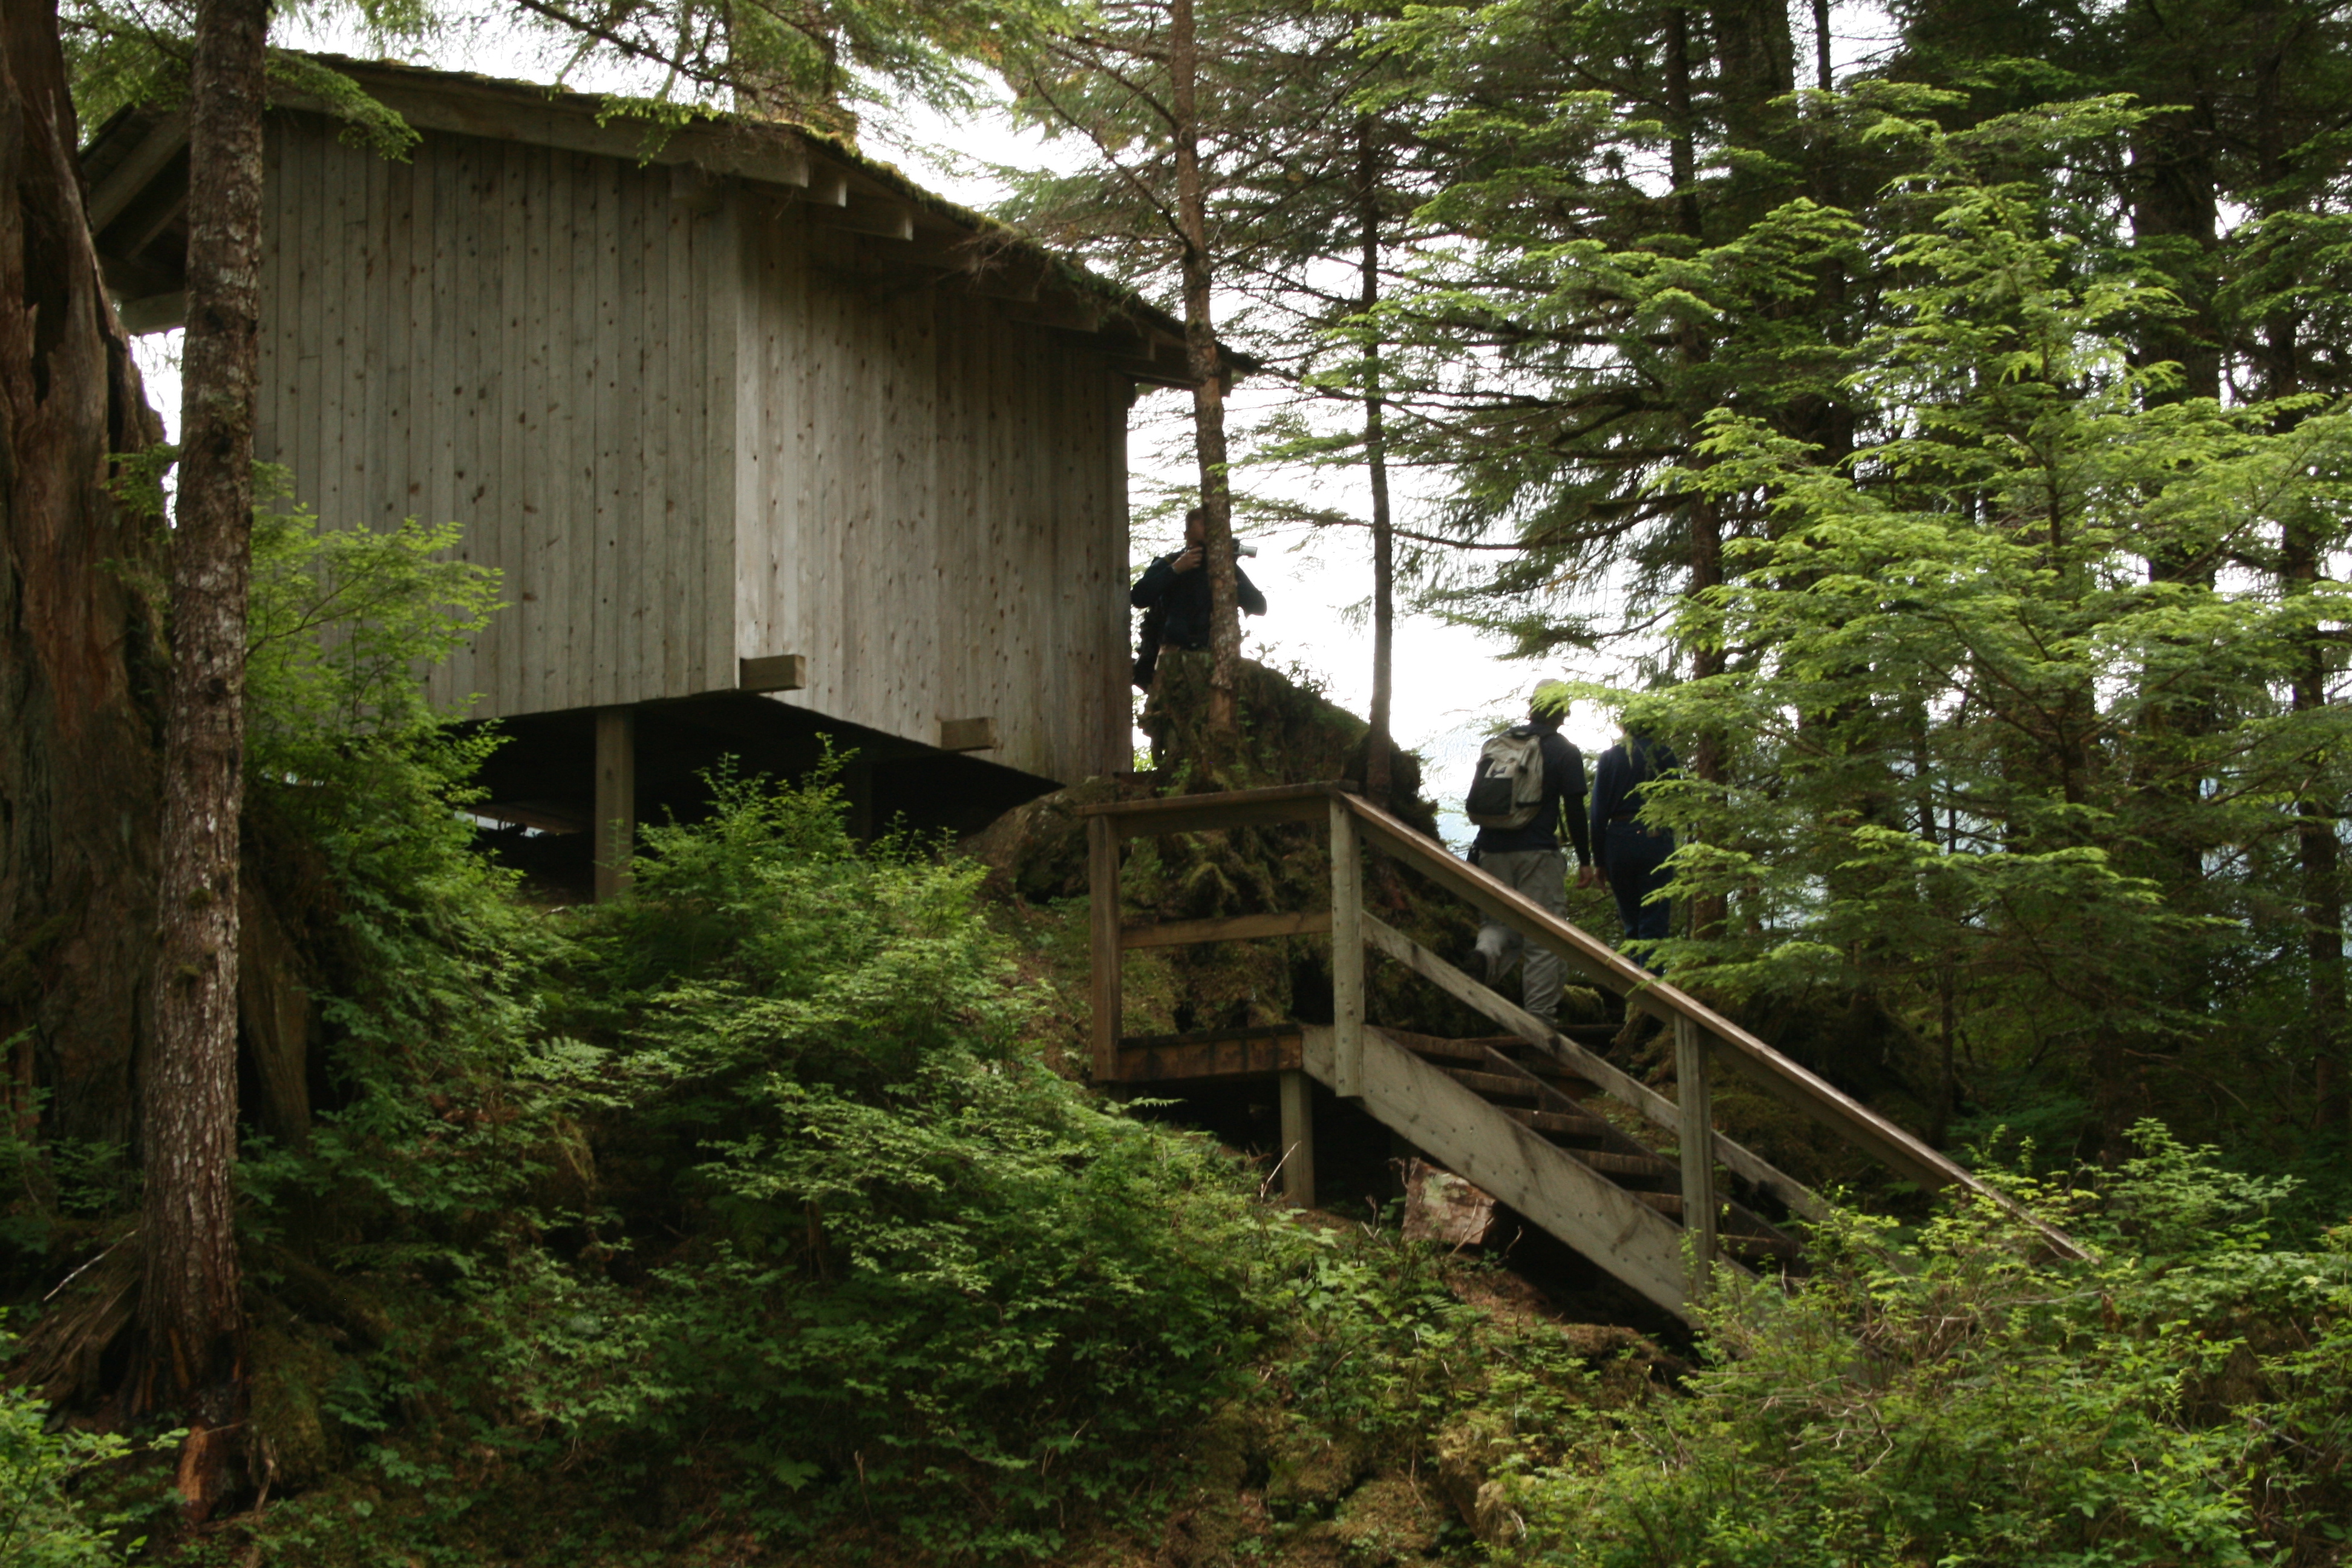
(1290, 733)
(1389, 1518)
(1312, 1470)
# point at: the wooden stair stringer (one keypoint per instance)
(1473, 1137)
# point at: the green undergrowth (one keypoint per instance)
(2183, 1397)
(744, 1219)
(758, 1216)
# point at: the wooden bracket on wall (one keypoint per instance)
(966, 734)
(154, 154)
(772, 672)
(1064, 310)
(155, 313)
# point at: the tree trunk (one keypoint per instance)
(81, 652)
(1682, 147)
(1377, 781)
(2320, 856)
(189, 1306)
(1204, 364)
(1705, 521)
(2304, 547)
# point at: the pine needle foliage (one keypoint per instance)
(2007, 686)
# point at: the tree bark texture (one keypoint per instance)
(189, 1306)
(2305, 546)
(1205, 365)
(1703, 521)
(1376, 463)
(2319, 856)
(1682, 150)
(81, 652)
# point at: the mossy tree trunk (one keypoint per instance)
(190, 1312)
(1205, 364)
(79, 642)
(1376, 780)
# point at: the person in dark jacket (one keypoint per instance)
(1529, 859)
(1631, 853)
(1173, 594)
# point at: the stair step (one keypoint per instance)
(1438, 1048)
(1609, 1163)
(1671, 1204)
(1557, 1123)
(1742, 1245)
(1492, 1085)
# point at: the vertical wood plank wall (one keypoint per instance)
(687, 436)
(484, 335)
(939, 516)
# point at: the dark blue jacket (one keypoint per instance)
(1617, 780)
(1563, 802)
(1183, 600)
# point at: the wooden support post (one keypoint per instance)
(857, 798)
(1298, 1139)
(615, 834)
(1695, 1100)
(1346, 953)
(1102, 919)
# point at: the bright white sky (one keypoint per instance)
(1451, 688)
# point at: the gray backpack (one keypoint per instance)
(1507, 790)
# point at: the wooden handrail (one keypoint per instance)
(1756, 1060)
(1201, 813)
(1699, 1029)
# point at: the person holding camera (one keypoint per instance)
(1173, 594)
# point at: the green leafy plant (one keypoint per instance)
(1970, 1399)
(42, 1523)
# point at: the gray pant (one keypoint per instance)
(1542, 876)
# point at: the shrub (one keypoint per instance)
(2178, 1400)
(41, 1524)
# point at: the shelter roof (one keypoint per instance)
(137, 167)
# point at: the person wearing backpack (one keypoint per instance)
(1529, 782)
(1628, 852)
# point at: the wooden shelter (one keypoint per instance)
(771, 447)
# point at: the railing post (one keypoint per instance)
(1694, 1100)
(1346, 953)
(1102, 920)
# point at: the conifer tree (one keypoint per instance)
(190, 1310)
(1980, 597)
(1315, 230)
(1151, 88)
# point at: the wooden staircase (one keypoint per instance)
(1528, 1087)
(1535, 1116)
